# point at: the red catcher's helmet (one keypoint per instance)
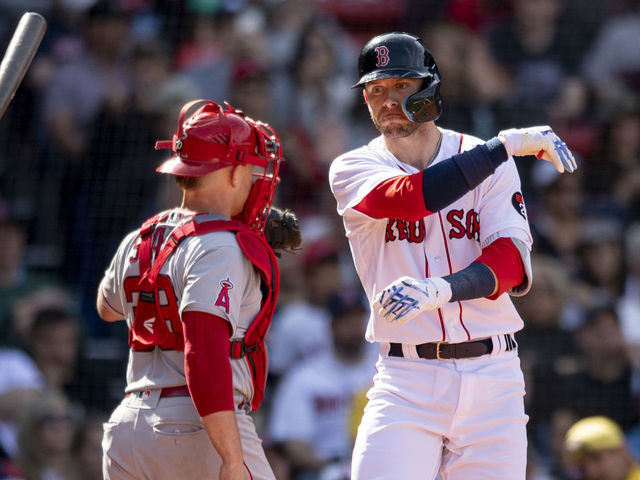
(213, 138)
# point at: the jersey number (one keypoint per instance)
(167, 308)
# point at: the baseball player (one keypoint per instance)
(438, 232)
(197, 286)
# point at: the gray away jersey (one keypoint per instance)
(208, 273)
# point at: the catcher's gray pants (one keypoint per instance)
(148, 437)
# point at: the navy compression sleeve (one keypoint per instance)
(446, 182)
(411, 197)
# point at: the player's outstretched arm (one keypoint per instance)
(439, 185)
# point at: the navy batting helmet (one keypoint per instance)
(402, 55)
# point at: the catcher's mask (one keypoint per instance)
(215, 137)
(402, 55)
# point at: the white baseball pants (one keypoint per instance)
(463, 419)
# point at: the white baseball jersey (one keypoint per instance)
(437, 245)
(208, 273)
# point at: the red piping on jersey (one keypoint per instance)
(426, 274)
(110, 306)
(248, 471)
(446, 248)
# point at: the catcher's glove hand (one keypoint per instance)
(403, 299)
(282, 229)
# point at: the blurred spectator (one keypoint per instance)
(612, 65)
(285, 20)
(573, 116)
(601, 271)
(556, 214)
(538, 53)
(16, 280)
(599, 383)
(603, 385)
(310, 412)
(596, 450)
(95, 80)
(316, 100)
(357, 16)
(53, 340)
(548, 461)
(613, 179)
(301, 328)
(86, 448)
(119, 191)
(45, 435)
(473, 83)
(204, 57)
(628, 305)
(20, 383)
(251, 91)
(544, 341)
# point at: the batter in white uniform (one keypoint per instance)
(438, 232)
(197, 290)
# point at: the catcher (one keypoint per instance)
(197, 286)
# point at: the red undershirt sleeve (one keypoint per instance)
(503, 257)
(397, 197)
(206, 362)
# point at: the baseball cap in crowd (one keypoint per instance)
(106, 9)
(346, 300)
(593, 434)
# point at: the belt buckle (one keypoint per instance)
(438, 350)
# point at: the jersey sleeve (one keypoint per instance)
(503, 213)
(501, 207)
(111, 284)
(355, 175)
(217, 280)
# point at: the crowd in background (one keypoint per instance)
(77, 172)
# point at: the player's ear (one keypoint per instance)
(364, 94)
(234, 175)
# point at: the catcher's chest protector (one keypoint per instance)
(149, 327)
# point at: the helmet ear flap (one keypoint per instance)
(425, 105)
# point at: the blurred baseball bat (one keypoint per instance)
(19, 54)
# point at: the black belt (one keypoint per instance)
(448, 351)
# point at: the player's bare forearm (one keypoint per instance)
(223, 432)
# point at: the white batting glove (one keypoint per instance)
(541, 142)
(403, 299)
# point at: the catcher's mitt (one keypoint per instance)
(282, 229)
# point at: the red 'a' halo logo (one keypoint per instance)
(383, 56)
(223, 295)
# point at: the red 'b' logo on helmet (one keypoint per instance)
(383, 56)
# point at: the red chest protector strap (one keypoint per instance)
(259, 253)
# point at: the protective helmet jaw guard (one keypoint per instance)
(258, 203)
(402, 55)
(214, 138)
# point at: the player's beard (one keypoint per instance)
(394, 130)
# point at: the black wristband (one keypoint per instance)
(475, 281)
